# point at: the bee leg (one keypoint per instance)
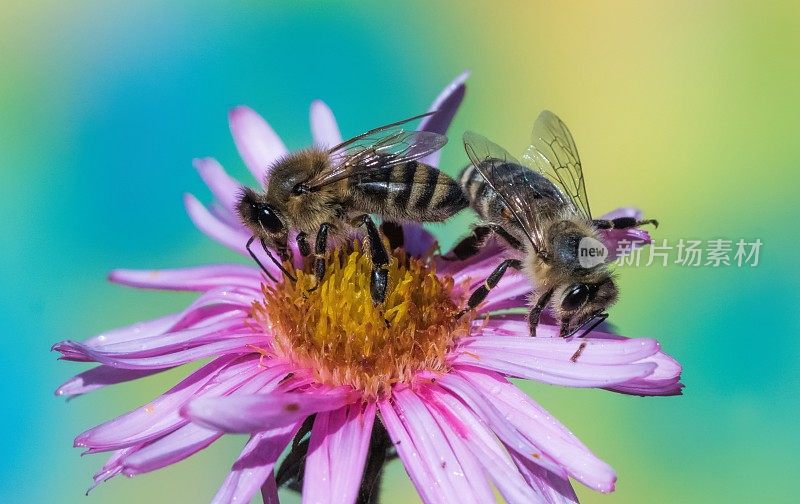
(564, 332)
(470, 245)
(257, 260)
(320, 247)
(394, 232)
(536, 311)
(302, 244)
(285, 253)
(622, 223)
(379, 281)
(491, 282)
(502, 233)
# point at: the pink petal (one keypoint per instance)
(189, 439)
(201, 317)
(476, 272)
(479, 267)
(621, 242)
(512, 291)
(339, 439)
(416, 465)
(198, 278)
(258, 144)
(224, 187)
(174, 447)
(665, 380)
(483, 445)
(269, 490)
(442, 464)
(515, 325)
(255, 464)
(112, 467)
(99, 377)
(553, 488)
(622, 212)
(255, 413)
(162, 416)
(135, 331)
(417, 240)
(197, 314)
(230, 219)
(216, 328)
(213, 307)
(324, 129)
(239, 344)
(445, 105)
(595, 350)
(494, 419)
(154, 418)
(557, 368)
(473, 469)
(491, 252)
(612, 237)
(231, 237)
(543, 430)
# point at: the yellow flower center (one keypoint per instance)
(336, 332)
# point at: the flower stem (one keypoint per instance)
(381, 450)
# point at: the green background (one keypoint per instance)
(687, 109)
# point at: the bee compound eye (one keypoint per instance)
(576, 296)
(268, 219)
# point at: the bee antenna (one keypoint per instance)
(257, 260)
(597, 318)
(593, 322)
(278, 263)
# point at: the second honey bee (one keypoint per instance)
(540, 210)
(329, 193)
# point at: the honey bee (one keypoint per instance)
(540, 210)
(330, 193)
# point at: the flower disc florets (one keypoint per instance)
(335, 331)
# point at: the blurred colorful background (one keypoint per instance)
(688, 109)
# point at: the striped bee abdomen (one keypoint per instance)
(542, 199)
(482, 198)
(410, 191)
(472, 183)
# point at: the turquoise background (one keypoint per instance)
(687, 109)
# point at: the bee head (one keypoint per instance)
(581, 302)
(290, 174)
(259, 216)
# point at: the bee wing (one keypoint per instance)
(516, 197)
(553, 153)
(378, 149)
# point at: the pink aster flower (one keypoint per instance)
(346, 384)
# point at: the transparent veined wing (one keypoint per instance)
(492, 162)
(553, 153)
(378, 149)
